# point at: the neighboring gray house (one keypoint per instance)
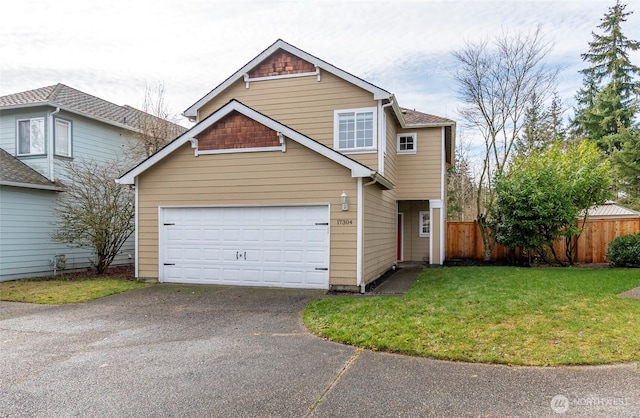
(39, 130)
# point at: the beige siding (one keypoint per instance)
(302, 103)
(391, 160)
(379, 241)
(419, 176)
(416, 248)
(299, 176)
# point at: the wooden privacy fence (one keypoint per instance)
(465, 242)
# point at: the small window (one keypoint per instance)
(30, 136)
(407, 143)
(63, 138)
(425, 223)
(355, 129)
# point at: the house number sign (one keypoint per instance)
(344, 221)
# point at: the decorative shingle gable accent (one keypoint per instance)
(281, 63)
(237, 131)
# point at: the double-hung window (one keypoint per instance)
(425, 223)
(62, 131)
(30, 138)
(355, 129)
(407, 143)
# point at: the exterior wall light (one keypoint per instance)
(343, 199)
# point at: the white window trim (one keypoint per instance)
(55, 137)
(44, 137)
(420, 224)
(414, 135)
(336, 131)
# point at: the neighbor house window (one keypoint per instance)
(30, 136)
(355, 129)
(425, 221)
(407, 143)
(63, 138)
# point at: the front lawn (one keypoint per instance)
(65, 290)
(519, 316)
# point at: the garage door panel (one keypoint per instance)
(316, 257)
(250, 235)
(252, 246)
(272, 256)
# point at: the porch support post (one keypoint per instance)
(437, 229)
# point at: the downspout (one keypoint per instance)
(136, 250)
(443, 197)
(382, 135)
(50, 144)
(359, 238)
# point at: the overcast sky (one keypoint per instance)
(113, 49)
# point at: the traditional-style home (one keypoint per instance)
(40, 130)
(296, 174)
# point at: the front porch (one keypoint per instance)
(420, 231)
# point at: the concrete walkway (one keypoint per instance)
(400, 281)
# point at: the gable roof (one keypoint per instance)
(407, 118)
(78, 102)
(378, 93)
(14, 172)
(357, 169)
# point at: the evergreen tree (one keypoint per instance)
(608, 98)
(626, 165)
(542, 127)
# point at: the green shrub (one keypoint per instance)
(625, 251)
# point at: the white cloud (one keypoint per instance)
(112, 49)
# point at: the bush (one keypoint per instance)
(625, 251)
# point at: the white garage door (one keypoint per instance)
(283, 246)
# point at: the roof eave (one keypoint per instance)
(32, 186)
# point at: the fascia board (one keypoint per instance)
(378, 93)
(129, 177)
(32, 186)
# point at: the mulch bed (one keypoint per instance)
(126, 271)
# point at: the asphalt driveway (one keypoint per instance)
(198, 351)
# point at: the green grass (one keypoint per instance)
(519, 316)
(62, 291)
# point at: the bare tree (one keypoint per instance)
(157, 126)
(94, 211)
(497, 82)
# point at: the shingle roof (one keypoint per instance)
(75, 101)
(412, 117)
(14, 172)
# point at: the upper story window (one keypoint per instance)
(355, 129)
(30, 137)
(62, 132)
(407, 143)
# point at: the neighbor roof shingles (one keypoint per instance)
(413, 117)
(79, 102)
(15, 172)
